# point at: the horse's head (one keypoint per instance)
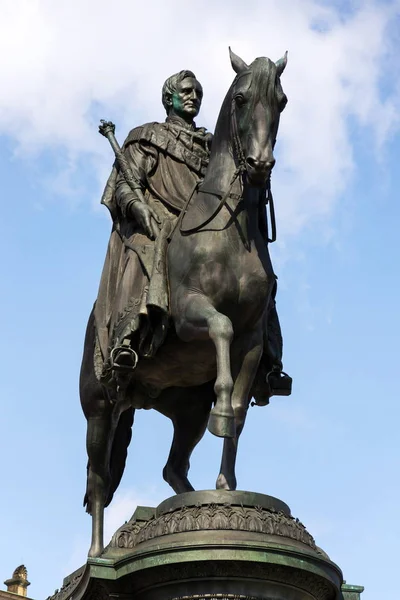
(257, 99)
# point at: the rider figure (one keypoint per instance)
(167, 161)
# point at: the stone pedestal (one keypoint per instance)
(212, 545)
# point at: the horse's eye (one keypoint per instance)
(282, 102)
(240, 100)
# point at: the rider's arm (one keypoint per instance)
(140, 161)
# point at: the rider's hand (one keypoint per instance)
(146, 218)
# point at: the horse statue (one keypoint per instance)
(220, 283)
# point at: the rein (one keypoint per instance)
(221, 204)
(270, 202)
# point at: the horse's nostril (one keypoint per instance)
(253, 162)
(260, 165)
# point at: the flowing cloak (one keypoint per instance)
(167, 160)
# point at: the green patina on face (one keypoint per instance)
(177, 103)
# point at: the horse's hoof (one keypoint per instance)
(95, 551)
(179, 483)
(221, 425)
(223, 483)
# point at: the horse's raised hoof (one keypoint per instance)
(221, 425)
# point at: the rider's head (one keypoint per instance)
(182, 95)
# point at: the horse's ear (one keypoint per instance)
(237, 63)
(281, 64)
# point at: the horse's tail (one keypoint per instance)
(122, 438)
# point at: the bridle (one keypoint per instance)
(240, 161)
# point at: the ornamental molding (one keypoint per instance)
(218, 597)
(212, 517)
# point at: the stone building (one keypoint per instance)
(17, 585)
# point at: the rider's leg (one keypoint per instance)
(125, 319)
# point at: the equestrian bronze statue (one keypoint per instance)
(185, 318)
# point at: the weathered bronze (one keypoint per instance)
(210, 545)
(185, 315)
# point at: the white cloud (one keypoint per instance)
(64, 63)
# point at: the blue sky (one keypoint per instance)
(331, 450)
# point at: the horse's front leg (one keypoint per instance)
(200, 320)
(246, 358)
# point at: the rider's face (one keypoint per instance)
(186, 100)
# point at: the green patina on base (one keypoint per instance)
(211, 545)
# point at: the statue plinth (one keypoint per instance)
(211, 545)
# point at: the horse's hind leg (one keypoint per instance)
(98, 410)
(200, 320)
(97, 476)
(246, 358)
(188, 409)
(108, 437)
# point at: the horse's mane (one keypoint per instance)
(262, 85)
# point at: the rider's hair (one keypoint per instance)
(170, 86)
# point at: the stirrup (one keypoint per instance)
(280, 383)
(127, 352)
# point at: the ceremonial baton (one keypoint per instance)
(107, 128)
